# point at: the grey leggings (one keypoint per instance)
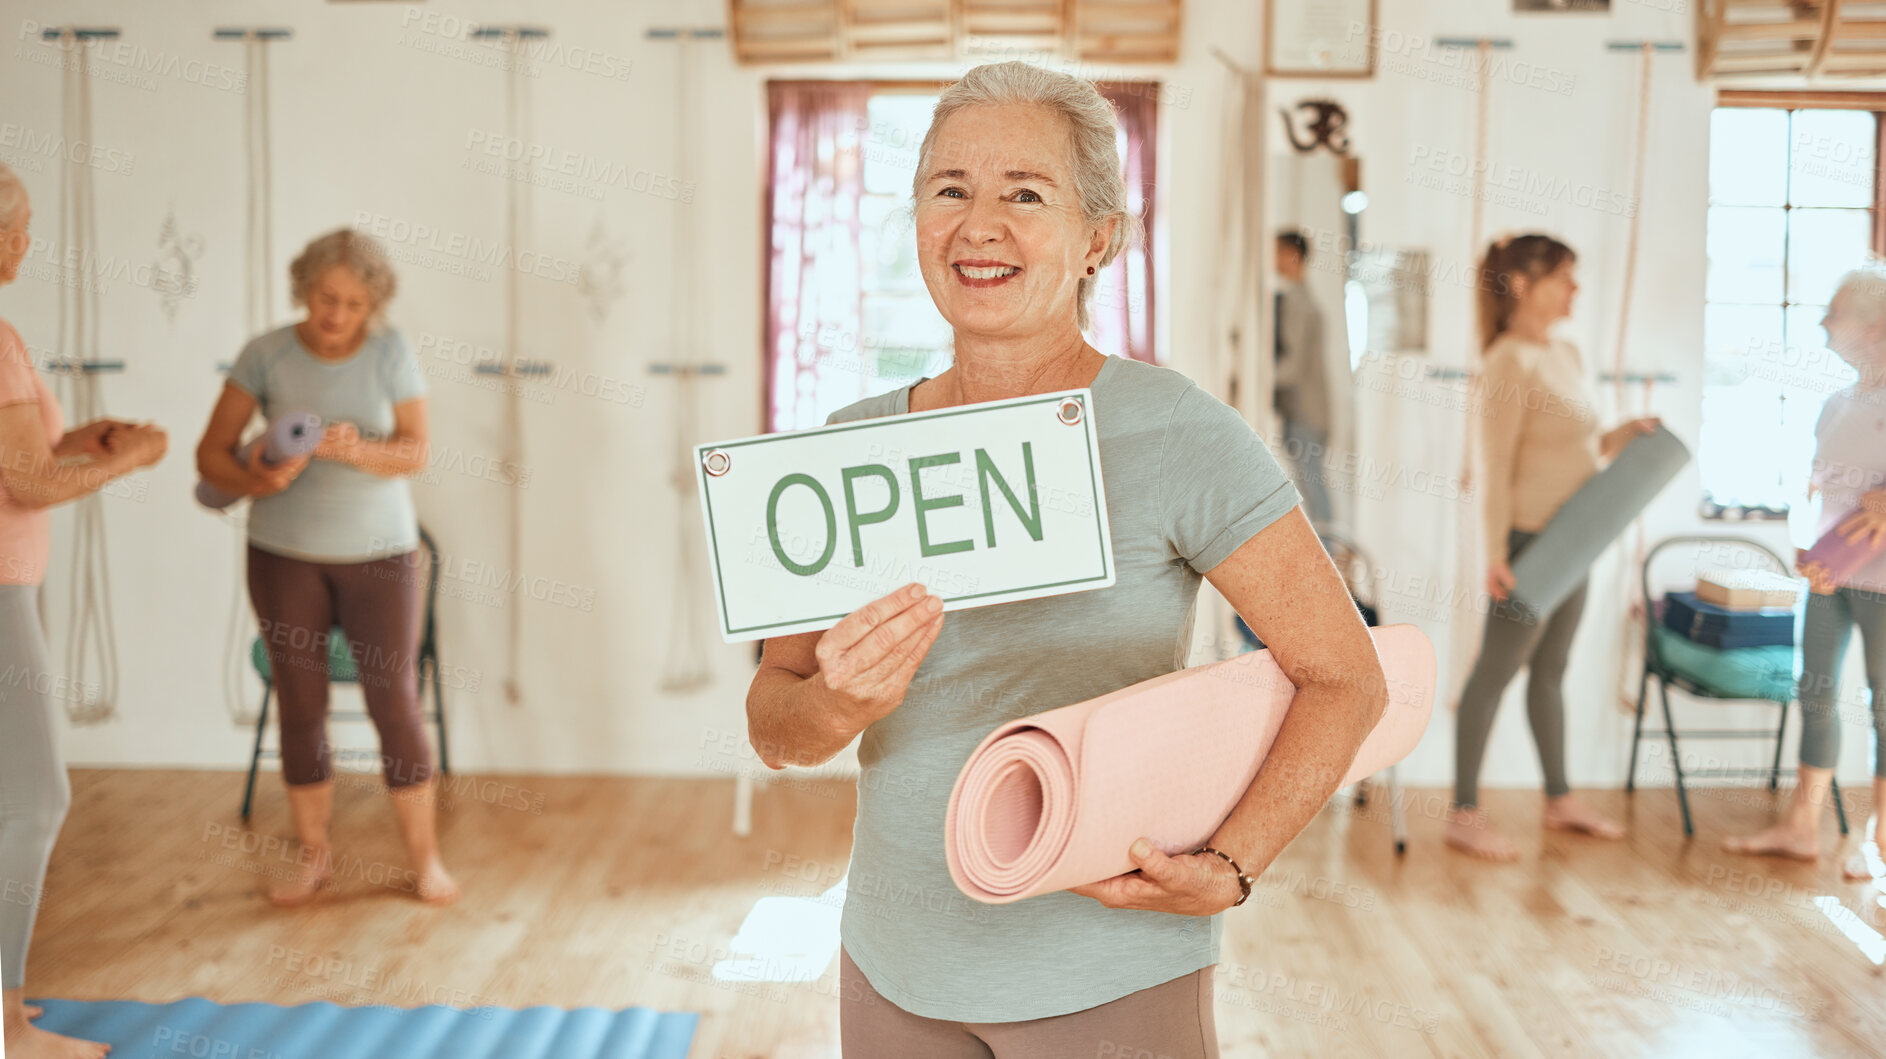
(34, 793)
(1171, 1020)
(1824, 638)
(1511, 642)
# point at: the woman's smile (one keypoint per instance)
(983, 273)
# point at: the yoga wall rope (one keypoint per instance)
(258, 265)
(1470, 549)
(91, 637)
(1632, 630)
(685, 668)
(517, 226)
(517, 221)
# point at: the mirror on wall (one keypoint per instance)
(1315, 202)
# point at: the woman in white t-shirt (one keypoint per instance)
(1850, 475)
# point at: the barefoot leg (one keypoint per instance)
(27, 1041)
(1797, 835)
(1566, 813)
(1469, 832)
(416, 806)
(1869, 862)
(310, 805)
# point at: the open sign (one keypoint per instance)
(983, 504)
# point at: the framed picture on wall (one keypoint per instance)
(1319, 38)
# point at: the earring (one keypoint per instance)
(1090, 270)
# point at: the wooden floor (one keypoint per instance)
(615, 892)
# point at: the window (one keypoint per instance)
(1792, 207)
(848, 315)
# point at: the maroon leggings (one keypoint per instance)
(377, 607)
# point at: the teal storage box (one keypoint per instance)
(1729, 673)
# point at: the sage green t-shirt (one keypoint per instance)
(1187, 482)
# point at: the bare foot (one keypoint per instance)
(1864, 865)
(34, 1043)
(1780, 840)
(1469, 832)
(311, 874)
(1566, 813)
(437, 887)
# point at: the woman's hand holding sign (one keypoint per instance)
(867, 660)
(817, 690)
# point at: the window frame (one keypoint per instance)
(1791, 101)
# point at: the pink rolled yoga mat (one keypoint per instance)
(1841, 557)
(1054, 800)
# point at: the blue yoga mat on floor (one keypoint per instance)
(209, 1030)
(1555, 561)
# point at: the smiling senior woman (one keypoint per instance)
(1019, 202)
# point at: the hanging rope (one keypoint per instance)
(686, 668)
(258, 257)
(517, 224)
(91, 638)
(1470, 550)
(1635, 618)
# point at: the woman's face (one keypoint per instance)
(1550, 296)
(339, 305)
(14, 242)
(1852, 336)
(1000, 235)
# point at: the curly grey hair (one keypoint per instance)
(1093, 128)
(357, 252)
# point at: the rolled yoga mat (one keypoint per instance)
(1841, 557)
(1054, 800)
(288, 437)
(1584, 526)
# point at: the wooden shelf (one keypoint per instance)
(767, 32)
(1791, 43)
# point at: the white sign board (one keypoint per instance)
(982, 504)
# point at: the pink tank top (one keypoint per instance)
(25, 533)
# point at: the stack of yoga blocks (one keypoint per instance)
(1733, 636)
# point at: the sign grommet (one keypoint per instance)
(717, 462)
(1070, 411)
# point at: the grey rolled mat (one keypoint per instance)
(1584, 526)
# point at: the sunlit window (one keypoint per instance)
(908, 337)
(1791, 202)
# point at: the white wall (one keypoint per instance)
(374, 108)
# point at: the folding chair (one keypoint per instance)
(1736, 553)
(340, 669)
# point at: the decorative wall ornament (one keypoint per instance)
(173, 272)
(1326, 126)
(605, 263)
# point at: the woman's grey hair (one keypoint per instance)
(1867, 285)
(357, 252)
(12, 198)
(1098, 182)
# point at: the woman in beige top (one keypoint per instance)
(1541, 443)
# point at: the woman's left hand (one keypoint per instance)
(340, 442)
(94, 439)
(1190, 884)
(1623, 433)
(1867, 525)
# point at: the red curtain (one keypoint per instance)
(813, 271)
(1121, 313)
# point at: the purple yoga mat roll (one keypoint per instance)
(288, 437)
(1841, 557)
